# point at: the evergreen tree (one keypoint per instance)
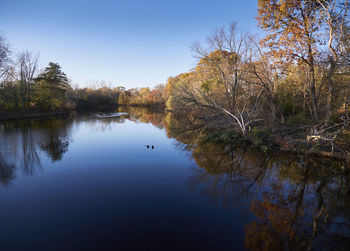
(52, 86)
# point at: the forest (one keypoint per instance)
(292, 81)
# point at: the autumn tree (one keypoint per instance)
(174, 87)
(158, 95)
(142, 96)
(292, 27)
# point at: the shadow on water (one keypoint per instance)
(296, 202)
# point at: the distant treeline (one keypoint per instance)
(107, 96)
(23, 86)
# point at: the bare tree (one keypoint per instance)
(231, 52)
(4, 56)
(228, 53)
(27, 67)
(335, 14)
(192, 96)
(262, 73)
(219, 89)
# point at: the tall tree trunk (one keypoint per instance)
(313, 93)
(312, 83)
(304, 99)
(273, 110)
(50, 91)
(23, 92)
(330, 91)
(28, 94)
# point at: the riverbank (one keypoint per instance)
(32, 113)
(296, 143)
(313, 148)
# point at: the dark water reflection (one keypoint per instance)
(86, 182)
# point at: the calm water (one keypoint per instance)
(89, 181)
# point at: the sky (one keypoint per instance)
(133, 43)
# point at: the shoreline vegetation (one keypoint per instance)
(275, 144)
(260, 141)
(288, 91)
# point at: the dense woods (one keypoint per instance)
(294, 79)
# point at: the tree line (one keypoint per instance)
(23, 86)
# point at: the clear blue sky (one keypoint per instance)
(132, 43)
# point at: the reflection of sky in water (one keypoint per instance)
(121, 145)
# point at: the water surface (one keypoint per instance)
(94, 181)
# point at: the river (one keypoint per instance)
(136, 179)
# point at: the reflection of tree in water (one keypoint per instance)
(299, 203)
(54, 137)
(21, 142)
(145, 115)
(224, 174)
(6, 166)
(56, 147)
(135, 114)
(304, 209)
(103, 124)
(30, 155)
(6, 170)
